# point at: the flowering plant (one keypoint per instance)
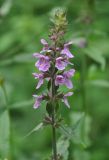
(52, 62)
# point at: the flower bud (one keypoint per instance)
(58, 18)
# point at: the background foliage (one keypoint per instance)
(22, 24)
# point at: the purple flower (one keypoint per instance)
(65, 98)
(43, 64)
(61, 63)
(64, 79)
(39, 76)
(45, 44)
(67, 75)
(59, 80)
(37, 101)
(65, 51)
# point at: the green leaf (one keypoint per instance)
(25, 103)
(49, 84)
(81, 154)
(81, 128)
(63, 89)
(39, 126)
(6, 41)
(79, 131)
(49, 108)
(23, 58)
(4, 135)
(57, 106)
(96, 55)
(62, 147)
(99, 83)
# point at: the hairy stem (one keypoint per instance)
(54, 137)
(54, 147)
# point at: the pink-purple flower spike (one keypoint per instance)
(52, 65)
(60, 60)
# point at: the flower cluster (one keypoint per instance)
(52, 64)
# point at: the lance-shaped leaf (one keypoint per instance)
(79, 131)
(39, 126)
(62, 147)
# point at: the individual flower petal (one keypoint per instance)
(37, 101)
(39, 76)
(68, 44)
(36, 55)
(69, 74)
(65, 51)
(70, 63)
(68, 83)
(65, 99)
(60, 63)
(43, 64)
(68, 94)
(59, 80)
(64, 79)
(41, 81)
(45, 44)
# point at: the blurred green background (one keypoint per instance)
(22, 24)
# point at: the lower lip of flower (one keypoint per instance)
(60, 80)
